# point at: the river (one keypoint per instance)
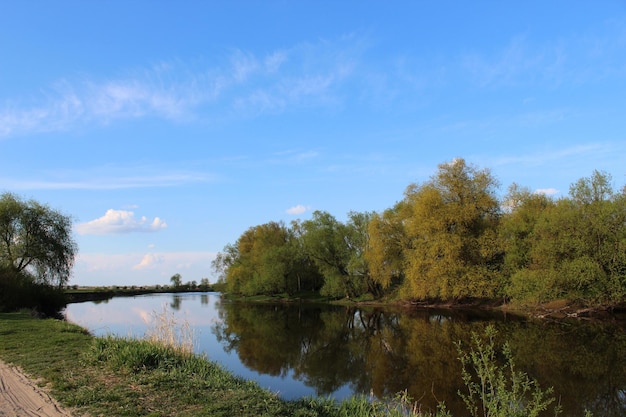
(301, 350)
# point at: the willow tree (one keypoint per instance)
(36, 241)
(387, 246)
(338, 249)
(258, 263)
(451, 230)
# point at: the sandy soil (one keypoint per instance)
(21, 397)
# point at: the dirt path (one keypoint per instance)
(21, 397)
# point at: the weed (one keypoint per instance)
(499, 391)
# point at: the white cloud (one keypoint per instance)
(149, 260)
(120, 221)
(547, 191)
(299, 209)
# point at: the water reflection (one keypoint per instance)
(328, 350)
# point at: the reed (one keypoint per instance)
(165, 329)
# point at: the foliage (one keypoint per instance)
(451, 226)
(337, 249)
(387, 246)
(17, 291)
(573, 248)
(499, 391)
(36, 239)
(449, 238)
(266, 259)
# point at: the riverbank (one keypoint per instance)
(82, 294)
(121, 377)
(556, 310)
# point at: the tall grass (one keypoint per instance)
(166, 330)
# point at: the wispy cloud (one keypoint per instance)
(550, 155)
(580, 58)
(293, 156)
(517, 63)
(119, 222)
(242, 85)
(104, 178)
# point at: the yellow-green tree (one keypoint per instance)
(267, 259)
(386, 247)
(258, 263)
(451, 230)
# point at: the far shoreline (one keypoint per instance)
(550, 310)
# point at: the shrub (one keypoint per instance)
(499, 390)
(19, 291)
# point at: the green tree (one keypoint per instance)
(578, 248)
(358, 241)
(452, 249)
(260, 262)
(337, 250)
(35, 241)
(523, 209)
(205, 284)
(573, 248)
(305, 276)
(176, 280)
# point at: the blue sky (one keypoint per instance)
(166, 129)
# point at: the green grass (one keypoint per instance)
(122, 377)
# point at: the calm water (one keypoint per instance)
(299, 350)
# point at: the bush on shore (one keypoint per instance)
(18, 291)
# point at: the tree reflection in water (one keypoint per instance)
(385, 351)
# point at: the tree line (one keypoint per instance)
(448, 239)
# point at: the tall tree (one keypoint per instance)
(304, 276)
(575, 248)
(176, 280)
(36, 240)
(337, 251)
(387, 246)
(260, 262)
(358, 240)
(453, 250)
(523, 209)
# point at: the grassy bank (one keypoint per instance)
(119, 377)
